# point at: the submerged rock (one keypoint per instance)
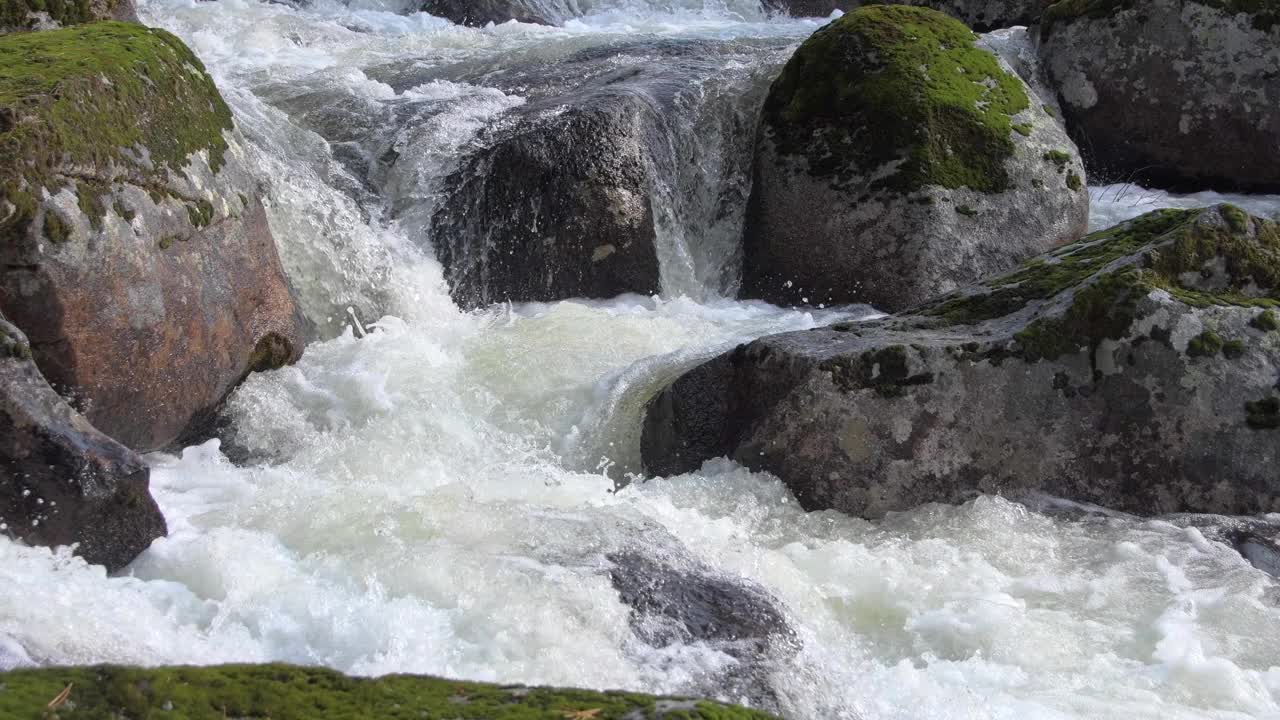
(284, 691)
(680, 605)
(981, 15)
(478, 13)
(1256, 539)
(61, 481)
(1170, 92)
(1136, 370)
(898, 161)
(134, 250)
(20, 15)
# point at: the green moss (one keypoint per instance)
(282, 692)
(90, 97)
(1263, 414)
(1059, 158)
(1102, 310)
(12, 346)
(200, 213)
(1023, 129)
(887, 371)
(1074, 182)
(1266, 321)
(89, 194)
(966, 210)
(1206, 344)
(166, 241)
(123, 211)
(1233, 349)
(1238, 219)
(56, 230)
(1060, 271)
(1049, 111)
(1167, 249)
(17, 13)
(889, 83)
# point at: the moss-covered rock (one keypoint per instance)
(284, 692)
(20, 15)
(905, 154)
(1170, 92)
(1131, 369)
(114, 142)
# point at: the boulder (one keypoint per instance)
(20, 15)
(478, 13)
(981, 15)
(1176, 93)
(1136, 369)
(909, 160)
(625, 171)
(285, 691)
(681, 602)
(62, 481)
(134, 250)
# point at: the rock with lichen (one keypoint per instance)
(63, 482)
(23, 15)
(134, 249)
(898, 160)
(1135, 369)
(284, 691)
(981, 15)
(1170, 92)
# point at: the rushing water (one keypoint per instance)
(434, 491)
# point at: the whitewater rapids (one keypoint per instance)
(434, 491)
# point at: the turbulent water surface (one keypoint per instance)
(431, 490)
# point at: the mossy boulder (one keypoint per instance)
(21, 15)
(62, 481)
(1098, 372)
(134, 251)
(897, 160)
(981, 15)
(1170, 92)
(284, 692)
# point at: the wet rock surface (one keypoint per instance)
(680, 604)
(981, 15)
(1170, 92)
(1136, 370)
(63, 482)
(909, 159)
(136, 257)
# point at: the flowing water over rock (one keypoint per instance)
(433, 490)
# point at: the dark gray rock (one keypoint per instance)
(1136, 370)
(478, 13)
(61, 481)
(679, 603)
(24, 15)
(620, 157)
(876, 183)
(1170, 92)
(1256, 539)
(981, 15)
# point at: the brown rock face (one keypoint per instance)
(148, 340)
(62, 481)
(134, 251)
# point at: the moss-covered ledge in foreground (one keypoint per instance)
(284, 692)
(91, 103)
